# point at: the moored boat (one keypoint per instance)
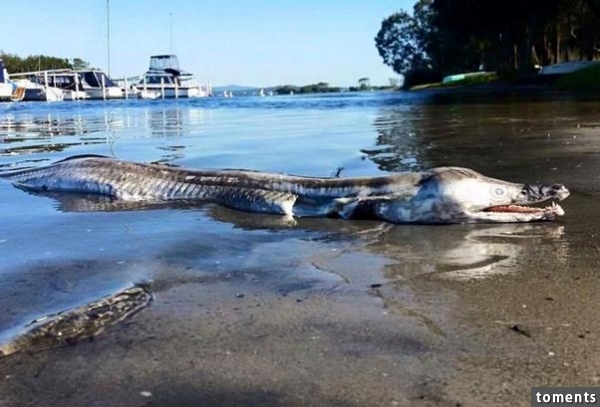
(165, 78)
(75, 85)
(6, 86)
(25, 90)
(30, 91)
(98, 85)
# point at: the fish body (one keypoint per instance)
(437, 196)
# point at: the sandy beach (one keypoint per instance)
(349, 326)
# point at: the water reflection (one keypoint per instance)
(22, 134)
(492, 138)
(82, 202)
(166, 122)
(458, 252)
(514, 140)
(466, 252)
(400, 143)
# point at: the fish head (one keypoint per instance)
(465, 196)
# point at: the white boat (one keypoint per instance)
(97, 85)
(29, 91)
(6, 86)
(25, 89)
(75, 85)
(165, 77)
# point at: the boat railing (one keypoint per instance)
(47, 71)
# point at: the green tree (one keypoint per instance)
(79, 64)
(410, 44)
(17, 64)
(514, 35)
(397, 43)
(452, 36)
(404, 41)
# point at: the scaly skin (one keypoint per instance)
(438, 196)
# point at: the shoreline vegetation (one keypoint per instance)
(323, 87)
(512, 38)
(587, 79)
(17, 64)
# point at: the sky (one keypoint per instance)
(245, 42)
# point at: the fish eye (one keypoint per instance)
(499, 191)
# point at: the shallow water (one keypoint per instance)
(357, 134)
(56, 254)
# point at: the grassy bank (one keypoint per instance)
(467, 81)
(585, 79)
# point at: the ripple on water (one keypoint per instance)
(56, 258)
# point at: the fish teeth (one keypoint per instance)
(555, 208)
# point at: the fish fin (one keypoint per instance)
(257, 200)
(346, 206)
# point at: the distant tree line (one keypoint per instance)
(15, 64)
(364, 84)
(321, 87)
(509, 36)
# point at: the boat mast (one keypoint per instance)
(108, 34)
(170, 33)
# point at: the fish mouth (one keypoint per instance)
(556, 192)
(552, 209)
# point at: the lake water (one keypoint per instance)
(56, 255)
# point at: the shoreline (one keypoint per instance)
(334, 332)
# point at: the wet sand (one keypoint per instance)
(249, 310)
(361, 321)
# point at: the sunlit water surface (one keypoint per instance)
(55, 255)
